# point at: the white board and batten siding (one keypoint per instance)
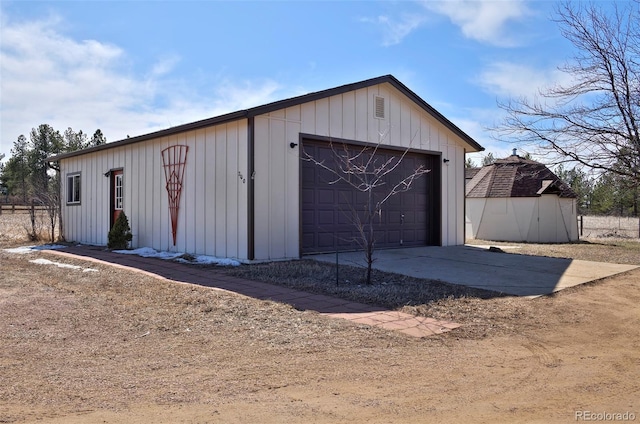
(348, 116)
(213, 206)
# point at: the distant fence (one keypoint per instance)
(591, 226)
(20, 208)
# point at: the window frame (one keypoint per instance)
(118, 195)
(74, 186)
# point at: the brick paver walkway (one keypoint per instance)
(326, 305)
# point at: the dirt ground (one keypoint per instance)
(95, 344)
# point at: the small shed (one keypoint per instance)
(237, 185)
(520, 200)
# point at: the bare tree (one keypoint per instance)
(593, 120)
(369, 173)
(488, 159)
(51, 201)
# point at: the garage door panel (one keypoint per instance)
(326, 241)
(325, 196)
(345, 218)
(410, 200)
(324, 176)
(326, 217)
(308, 240)
(345, 198)
(394, 202)
(361, 198)
(413, 236)
(409, 236)
(344, 239)
(381, 237)
(307, 196)
(308, 216)
(308, 176)
(393, 236)
(328, 207)
(359, 216)
(394, 217)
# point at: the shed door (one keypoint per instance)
(328, 207)
(116, 195)
(548, 211)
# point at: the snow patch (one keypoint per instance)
(20, 250)
(29, 249)
(42, 261)
(210, 260)
(147, 252)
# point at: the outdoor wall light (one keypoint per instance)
(107, 174)
(293, 145)
(445, 160)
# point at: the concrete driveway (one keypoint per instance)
(474, 266)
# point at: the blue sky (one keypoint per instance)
(132, 67)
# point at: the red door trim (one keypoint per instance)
(116, 194)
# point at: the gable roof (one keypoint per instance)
(282, 104)
(516, 177)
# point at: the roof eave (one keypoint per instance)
(283, 104)
(229, 117)
(476, 147)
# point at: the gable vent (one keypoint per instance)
(379, 107)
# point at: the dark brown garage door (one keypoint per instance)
(408, 219)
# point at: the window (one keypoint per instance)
(118, 193)
(73, 189)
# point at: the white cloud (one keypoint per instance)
(476, 127)
(165, 65)
(49, 77)
(396, 29)
(482, 20)
(507, 79)
(245, 94)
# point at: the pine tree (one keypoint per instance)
(120, 235)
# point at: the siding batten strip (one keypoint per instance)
(438, 196)
(464, 196)
(250, 188)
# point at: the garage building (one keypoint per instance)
(238, 185)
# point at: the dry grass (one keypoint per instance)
(142, 335)
(389, 290)
(482, 312)
(612, 250)
(78, 343)
(597, 227)
(15, 227)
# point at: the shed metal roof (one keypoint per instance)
(282, 104)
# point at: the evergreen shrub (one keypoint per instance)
(120, 235)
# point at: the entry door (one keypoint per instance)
(116, 195)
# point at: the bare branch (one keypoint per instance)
(367, 171)
(592, 121)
